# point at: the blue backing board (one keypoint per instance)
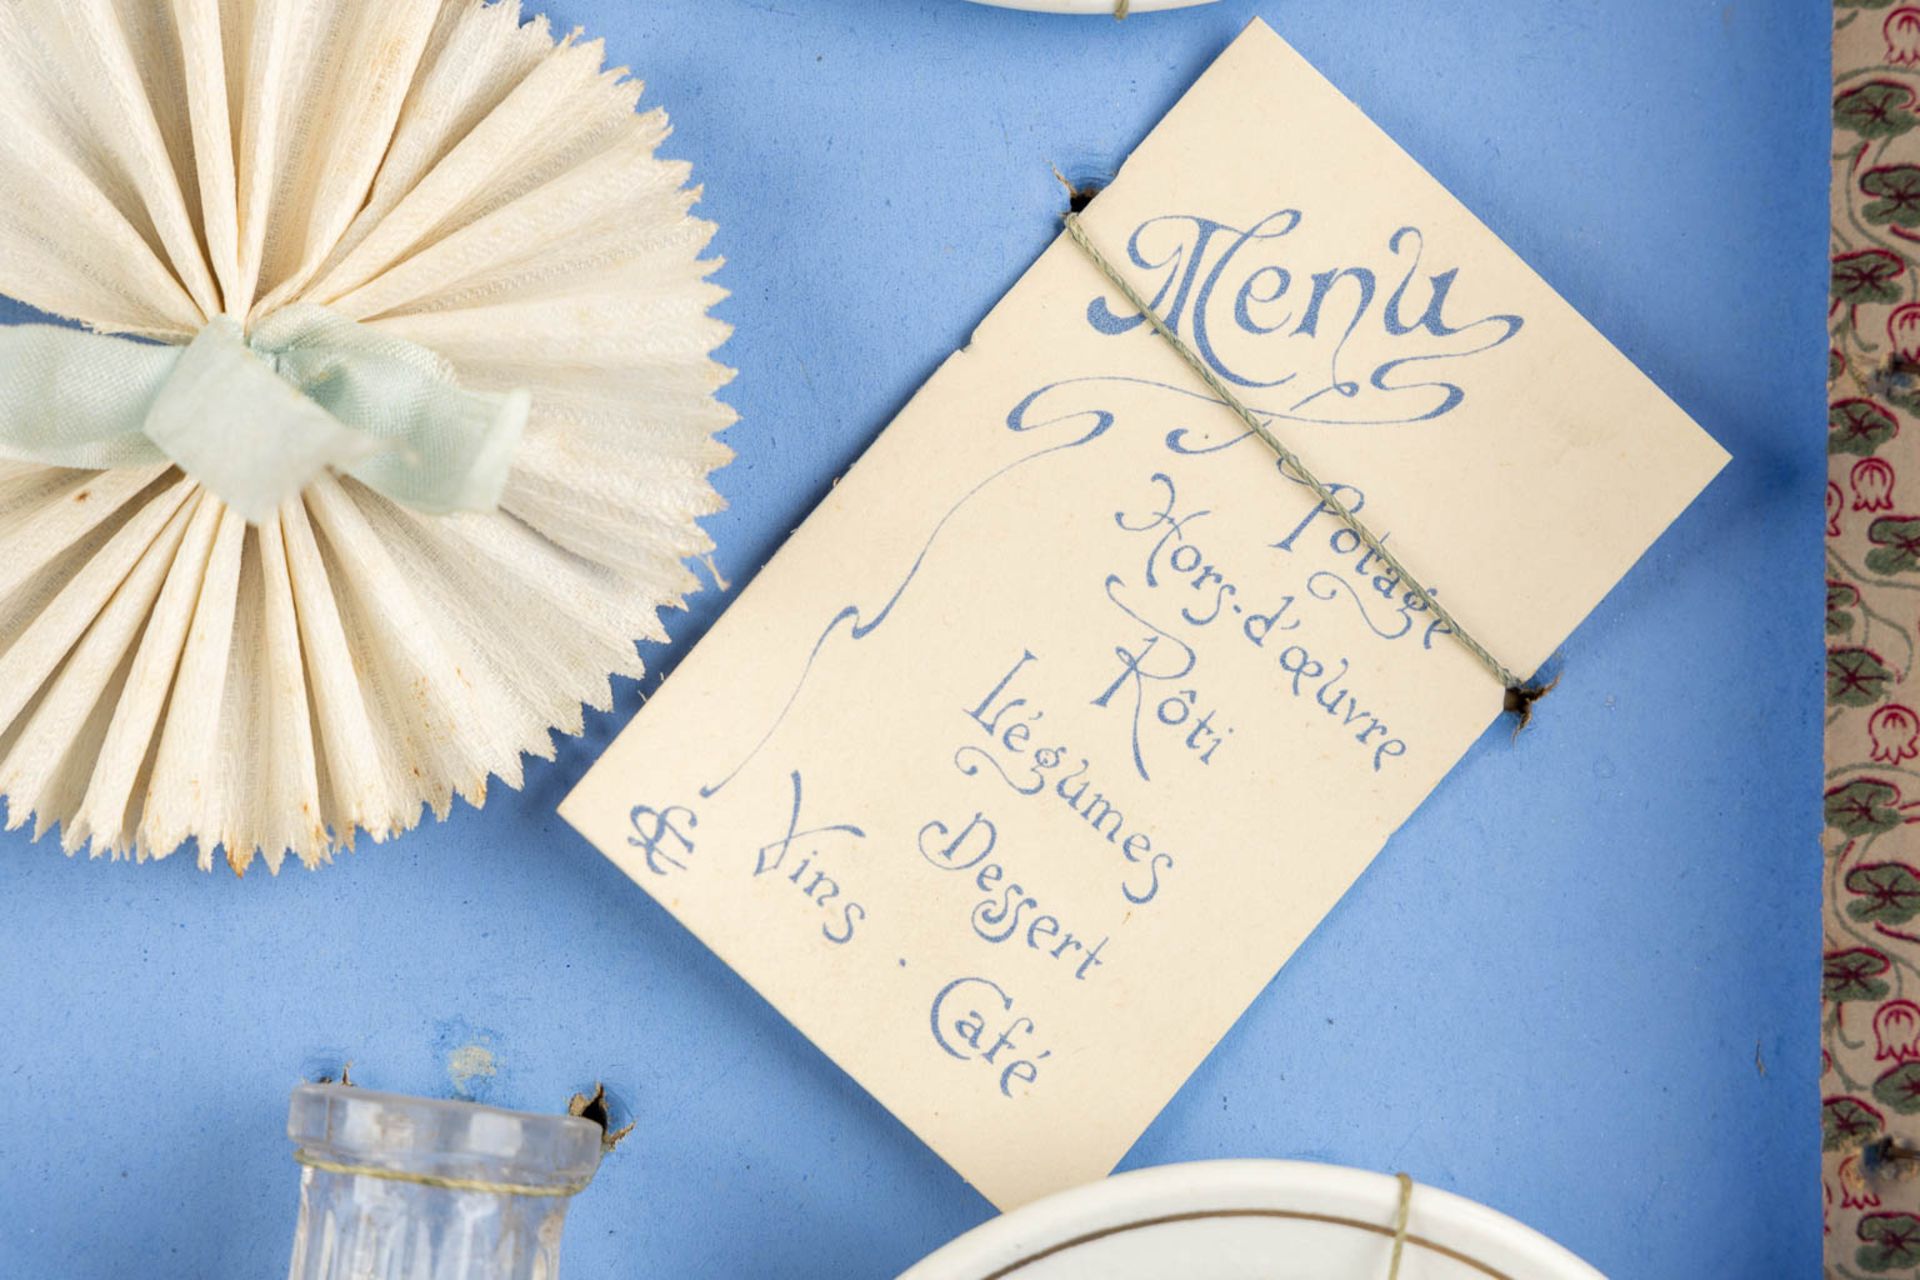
(1580, 985)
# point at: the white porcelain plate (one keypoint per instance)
(1250, 1220)
(1090, 6)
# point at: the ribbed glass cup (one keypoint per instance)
(514, 1176)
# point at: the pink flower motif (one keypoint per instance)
(1855, 1191)
(1836, 503)
(1896, 1031)
(1872, 481)
(1895, 731)
(1903, 326)
(1903, 36)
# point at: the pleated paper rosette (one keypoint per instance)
(445, 173)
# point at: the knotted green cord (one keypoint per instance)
(1525, 694)
(1400, 1225)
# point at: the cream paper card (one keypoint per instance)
(1046, 740)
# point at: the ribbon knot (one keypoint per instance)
(256, 418)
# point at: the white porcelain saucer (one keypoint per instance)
(1250, 1220)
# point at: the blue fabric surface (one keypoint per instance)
(1580, 985)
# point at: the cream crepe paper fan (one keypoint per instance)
(441, 173)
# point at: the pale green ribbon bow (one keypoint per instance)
(256, 419)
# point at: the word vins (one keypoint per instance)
(804, 859)
(797, 857)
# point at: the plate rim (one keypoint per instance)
(1439, 1220)
(1090, 7)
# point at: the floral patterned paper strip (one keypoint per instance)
(1870, 1114)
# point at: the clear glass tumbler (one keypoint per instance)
(399, 1188)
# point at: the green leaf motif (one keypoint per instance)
(1896, 545)
(1848, 1122)
(1859, 426)
(1842, 597)
(1856, 677)
(1867, 275)
(1877, 109)
(1898, 189)
(1863, 807)
(1900, 1088)
(1854, 974)
(1892, 1240)
(1889, 892)
(1861, 4)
